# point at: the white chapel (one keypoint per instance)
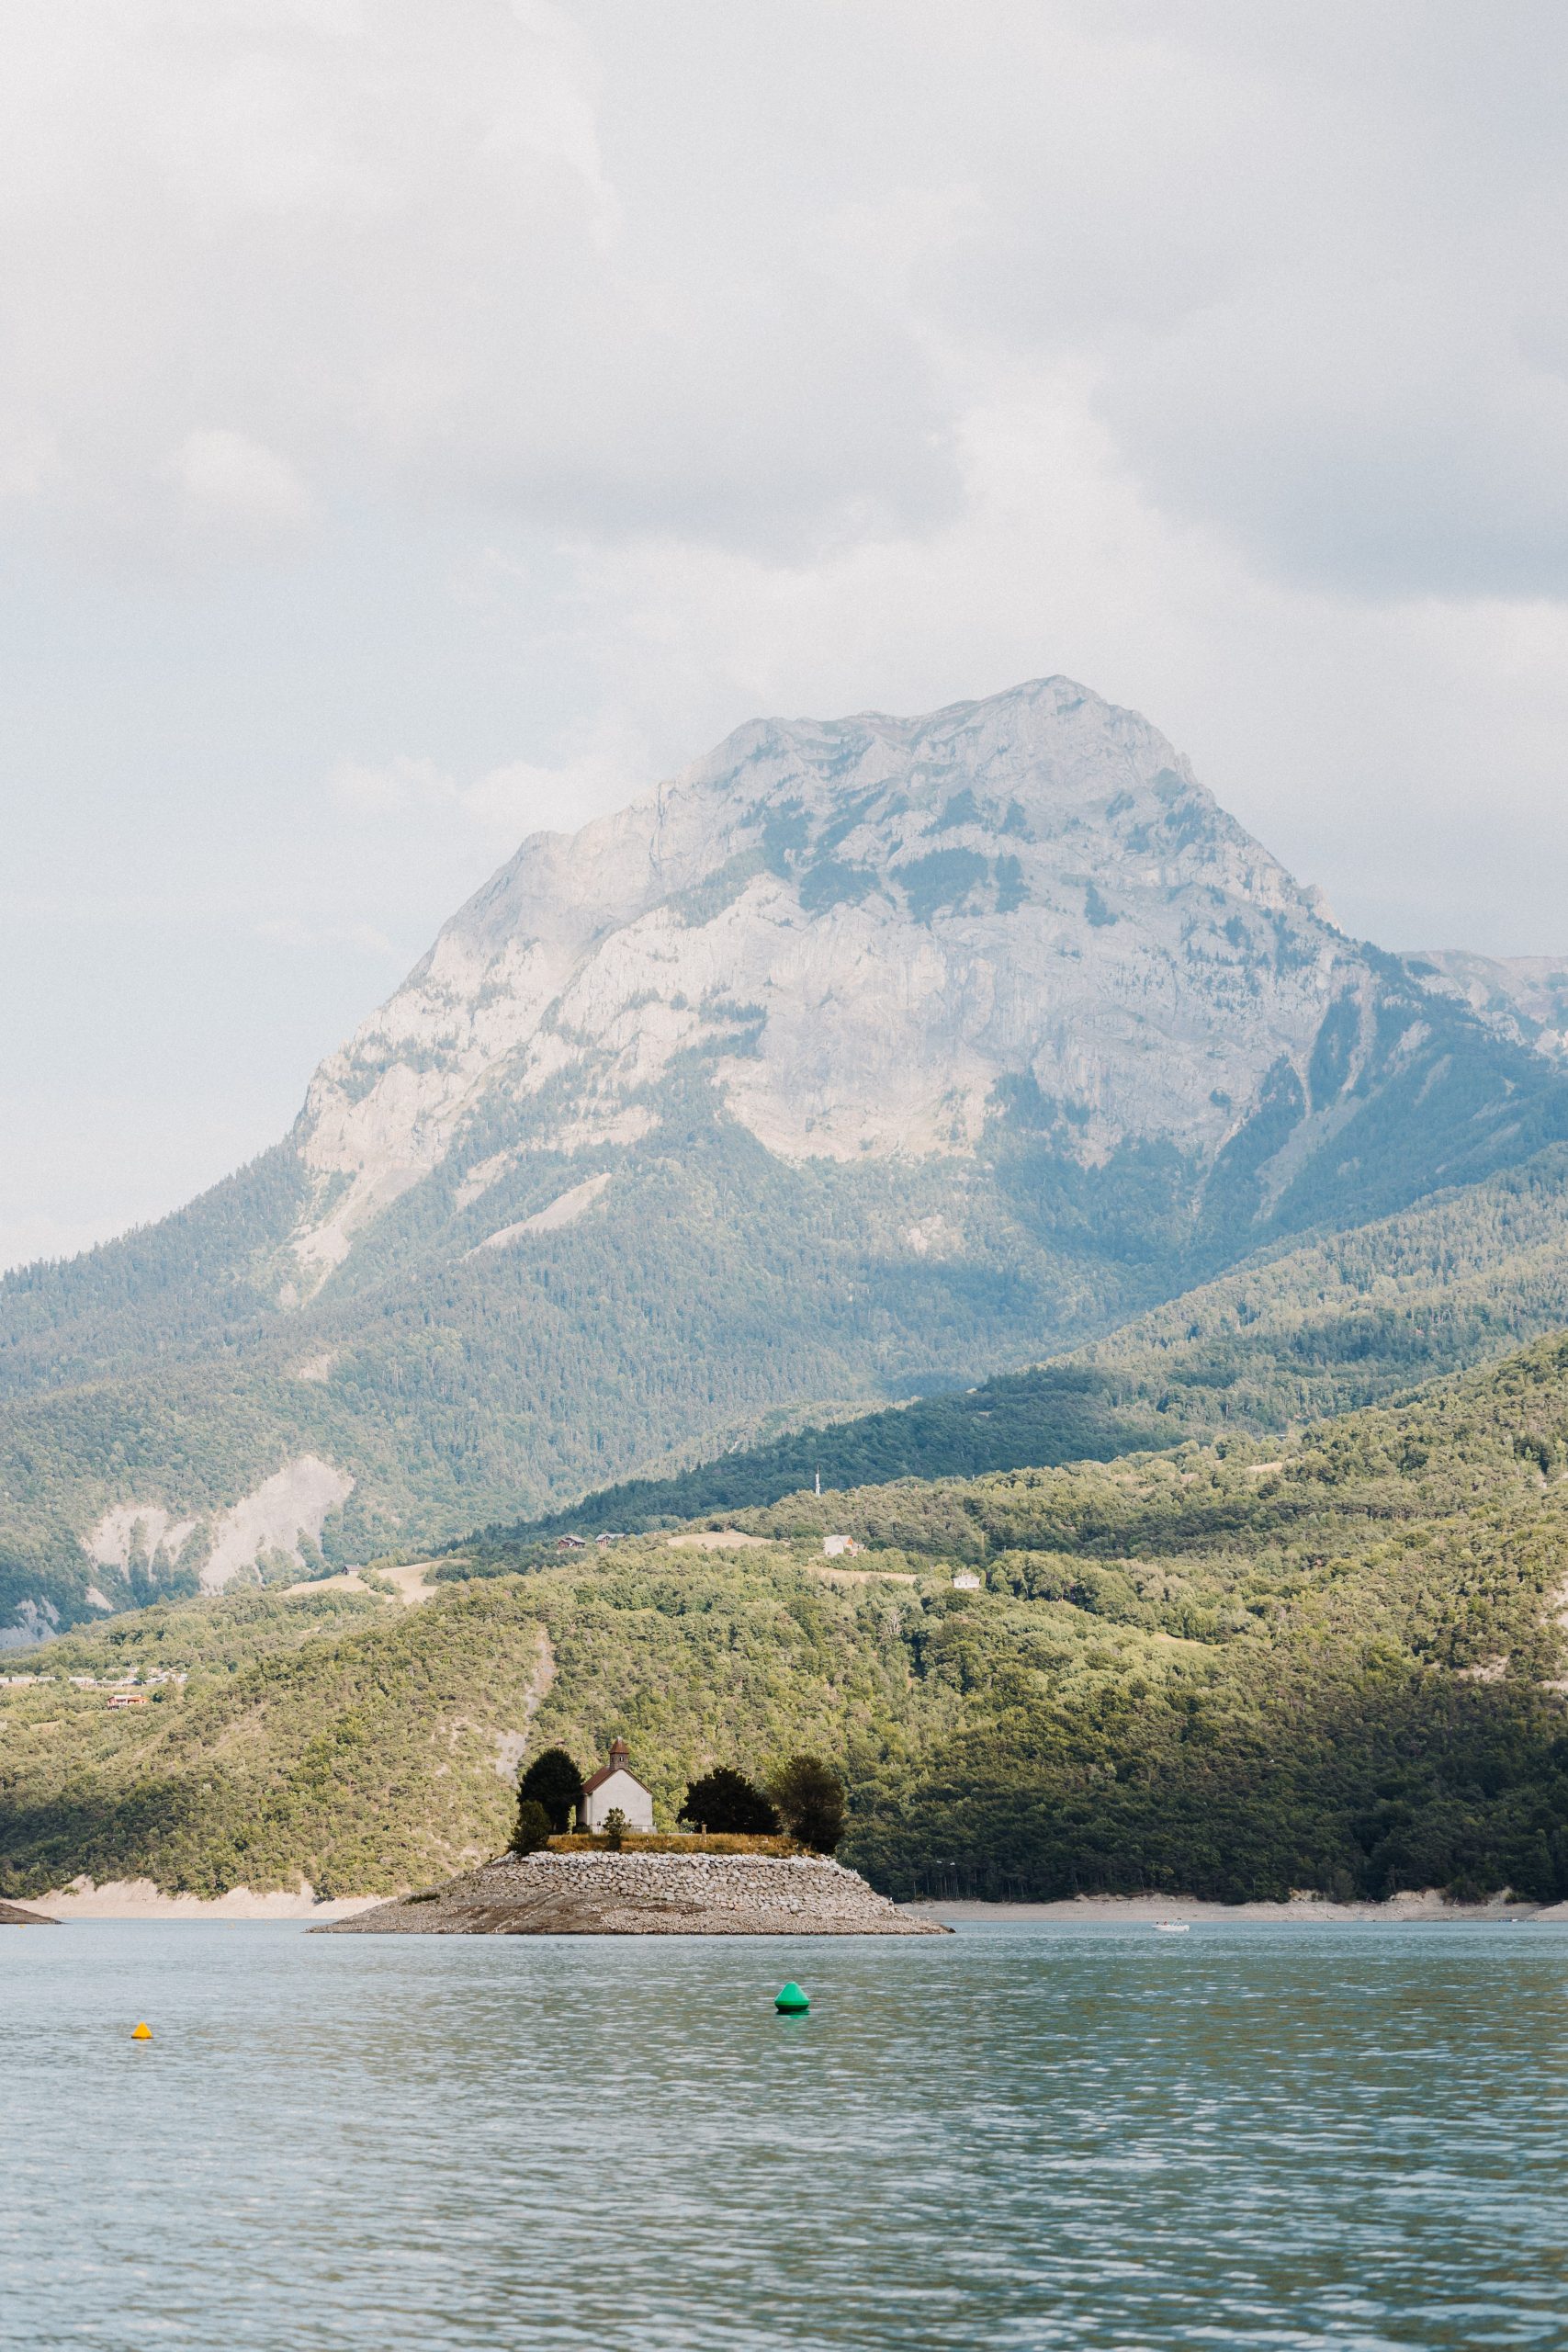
(615, 1784)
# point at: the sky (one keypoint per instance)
(422, 424)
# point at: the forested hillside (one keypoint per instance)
(710, 1293)
(865, 1057)
(1344, 1322)
(1340, 1666)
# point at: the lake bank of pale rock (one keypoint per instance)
(644, 1894)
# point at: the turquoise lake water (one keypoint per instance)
(1016, 2136)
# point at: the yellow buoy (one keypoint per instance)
(143, 2033)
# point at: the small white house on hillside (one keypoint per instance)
(615, 1784)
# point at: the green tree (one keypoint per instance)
(532, 1829)
(554, 1781)
(811, 1796)
(728, 1802)
(615, 1827)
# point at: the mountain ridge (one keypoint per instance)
(818, 817)
(1523, 996)
(863, 1051)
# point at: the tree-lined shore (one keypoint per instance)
(1337, 1666)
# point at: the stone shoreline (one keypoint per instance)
(644, 1894)
(13, 1915)
(1430, 1907)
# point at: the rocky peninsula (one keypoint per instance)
(13, 1915)
(643, 1895)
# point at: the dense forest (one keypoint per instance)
(711, 1295)
(1337, 1664)
(1342, 1322)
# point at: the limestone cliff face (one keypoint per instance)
(862, 929)
(864, 1056)
(1524, 997)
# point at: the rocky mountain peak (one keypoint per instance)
(1523, 998)
(863, 1053)
(861, 929)
(1044, 763)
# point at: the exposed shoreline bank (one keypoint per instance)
(1301, 1910)
(140, 1899)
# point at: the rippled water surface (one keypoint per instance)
(1015, 2136)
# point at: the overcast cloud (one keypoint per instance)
(421, 423)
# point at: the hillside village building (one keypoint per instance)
(615, 1784)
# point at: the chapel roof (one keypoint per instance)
(617, 1763)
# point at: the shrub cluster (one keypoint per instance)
(805, 1797)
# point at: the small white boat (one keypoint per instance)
(1172, 1928)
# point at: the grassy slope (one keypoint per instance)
(714, 1288)
(1344, 1322)
(1197, 1670)
(706, 1294)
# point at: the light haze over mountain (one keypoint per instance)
(423, 425)
(863, 1055)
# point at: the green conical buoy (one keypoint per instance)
(792, 2000)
